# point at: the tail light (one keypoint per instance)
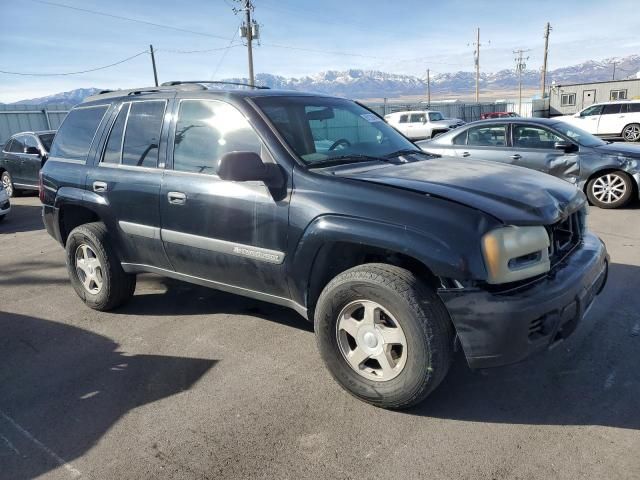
(40, 187)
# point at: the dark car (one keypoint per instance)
(609, 173)
(21, 159)
(315, 203)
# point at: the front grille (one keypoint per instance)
(565, 235)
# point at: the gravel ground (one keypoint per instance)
(186, 382)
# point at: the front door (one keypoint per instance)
(232, 233)
(588, 98)
(613, 119)
(417, 127)
(12, 161)
(128, 178)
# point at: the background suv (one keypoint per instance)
(610, 119)
(21, 159)
(421, 124)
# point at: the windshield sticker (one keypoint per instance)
(371, 117)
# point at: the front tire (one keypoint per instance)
(384, 335)
(7, 183)
(95, 270)
(610, 190)
(631, 133)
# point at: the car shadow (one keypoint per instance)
(63, 387)
(22, 218)
(162, 296)
(590, 379)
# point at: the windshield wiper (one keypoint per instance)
(343, 159)
(406, 151)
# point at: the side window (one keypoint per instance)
(76, 133)
(7, 146)
(403, 119)
(634, 107)
(418, 118)
(30, 141)
(525, 136)
(205, 131)
(17, 145)
(612, 108)
(489, 136)
(113, 149)
(142, 136)
(593, 110)
(460, 139)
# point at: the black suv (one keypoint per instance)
(21, 159)
(314, 202)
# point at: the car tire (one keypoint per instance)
(94, 268)
(631, 133)
(406, 302)
(610, 190)
(7, 182)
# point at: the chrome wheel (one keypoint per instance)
(609, 188)
(631, 133)
(89, 269)
(7, 184)
(371, 340)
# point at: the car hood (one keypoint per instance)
(619, 148)
(447, 122)
(513, 195)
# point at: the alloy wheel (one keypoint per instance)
(632, 133)
(609, 188)
(89, 269)
(8, 186)
(371, 340)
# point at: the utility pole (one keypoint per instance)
(520, 67)
(543, 86)
(428, 89)
(250, 31)
(476, 55)
(613, 77)
(153, 64)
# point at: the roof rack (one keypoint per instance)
(217, 82)
(104, 94)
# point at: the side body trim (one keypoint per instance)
(140, 230)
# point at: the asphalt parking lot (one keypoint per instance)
(186, 382)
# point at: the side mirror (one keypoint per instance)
(564, 146)
(247, 167)
(32, 151)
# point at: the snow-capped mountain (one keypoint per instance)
(372, 83)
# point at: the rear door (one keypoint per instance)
(13, 158)
(128, 176)
(231, 233)
(613, 119)
(534, 145)
(485, 142)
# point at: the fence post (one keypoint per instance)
(46, 117)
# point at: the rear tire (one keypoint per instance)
(7, 182)
(94, 268)
(425, 330)
(631, 133)
(610, 190)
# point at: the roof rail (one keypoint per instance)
(217, 82)
(104, 94)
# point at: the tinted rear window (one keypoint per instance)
(77, 131)
(142, 136)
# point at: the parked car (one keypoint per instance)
(5, 203)
(609, 173)
(421, 124)
(610, 120)
(486, 116)
(313, 202)
(21, 159)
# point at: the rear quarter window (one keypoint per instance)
(76, 133)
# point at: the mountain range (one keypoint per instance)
(371, 83)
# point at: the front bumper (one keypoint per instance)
(5, 207)
(501, 328)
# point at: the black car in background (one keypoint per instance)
(21, 159)
(609, 173)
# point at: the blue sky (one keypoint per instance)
(400, 37)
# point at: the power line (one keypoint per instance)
(224, 55)
(208, 50)
(128, 19)
(75, 73)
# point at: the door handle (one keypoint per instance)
(176, 198)
(99, 187)
(466, 154)
(516, 157)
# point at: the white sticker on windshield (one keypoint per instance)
(371, 118)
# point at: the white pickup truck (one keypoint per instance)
(418, 125)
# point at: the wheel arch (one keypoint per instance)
(74, 209)
(604, 171)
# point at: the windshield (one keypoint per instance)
(320, 129)
(435, 116)
(46, 140)
(578, 135)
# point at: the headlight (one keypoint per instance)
(515, 253)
